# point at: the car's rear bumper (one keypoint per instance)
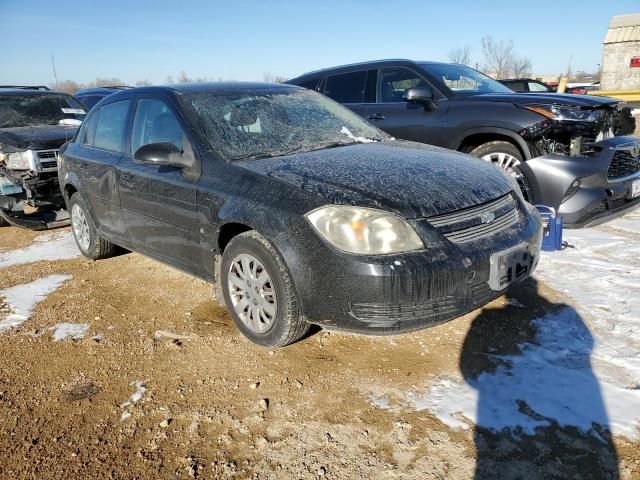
(551, 181)
(400, 293)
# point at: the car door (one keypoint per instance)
(159, 202)
(409, 121)
(96, 158)
(355, 90)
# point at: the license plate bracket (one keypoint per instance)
(634, 189)
(509, 266)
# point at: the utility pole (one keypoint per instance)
(55, 75)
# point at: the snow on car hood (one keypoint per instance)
(413, 180)
(41, 137)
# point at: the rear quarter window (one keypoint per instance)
(108, 132)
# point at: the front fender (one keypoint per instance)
(503, 132)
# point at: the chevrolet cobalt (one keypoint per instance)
(297, 210)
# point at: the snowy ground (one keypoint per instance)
(583, 367)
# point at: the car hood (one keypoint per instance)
(35, 138)
(583, 101)
(410, 179)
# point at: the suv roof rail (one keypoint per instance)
(26, 87)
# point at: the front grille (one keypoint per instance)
(478, 222)
(48, 160)
(624, 163)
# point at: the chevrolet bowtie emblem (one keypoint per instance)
(487, 217)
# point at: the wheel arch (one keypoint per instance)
(478, 136)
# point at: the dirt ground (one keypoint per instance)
(213, 405)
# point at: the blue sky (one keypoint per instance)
(241, 40)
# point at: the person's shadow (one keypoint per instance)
(540, 412)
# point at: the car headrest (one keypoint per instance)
(243, 115)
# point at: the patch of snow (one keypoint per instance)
(74, 331)
(52, 246)
(583, 367)
(124, 416)
(135, 398)
(22, 299)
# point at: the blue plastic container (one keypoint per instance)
(551, 228)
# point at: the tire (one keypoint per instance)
(502, 154)
(245, 296)
(4, 223)
(92, 246)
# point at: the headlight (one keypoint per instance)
(364, 231)
(566, 114)
(21, 160)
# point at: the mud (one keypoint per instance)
(162, 385)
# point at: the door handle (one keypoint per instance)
(376, 116)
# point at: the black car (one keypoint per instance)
(299, 211)
(34, 123)
(527, 85)
(90, 96)
(567, 151)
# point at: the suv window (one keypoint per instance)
(154, 122)
(310, 84)
(395, 80)
(517, 86)
(347, 87)
(537, 87)
(109, 126)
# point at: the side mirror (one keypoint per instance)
(422, 96)
(163, 154)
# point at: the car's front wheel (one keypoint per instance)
(85, 233)
(502, 154)
(259, 293)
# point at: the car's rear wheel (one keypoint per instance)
(85, 233)
(502, 154)
(259, 293)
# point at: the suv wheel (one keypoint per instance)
(502, 154)
(258, 291)
(89, 242)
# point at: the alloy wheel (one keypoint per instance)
(502, 160)
(80, 227)
(252, 293)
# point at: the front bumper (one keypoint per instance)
(597, 199)
(400, 293)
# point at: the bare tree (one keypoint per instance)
(267, 77)
(497, 56)
(279, 79)
(501, 60)
(520, 67)
(461, 55)
(169, 79)
(143, 83)
(183, 77)
(66, 86)
(108, 82)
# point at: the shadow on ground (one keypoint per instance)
(551, 449)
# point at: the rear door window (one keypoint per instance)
(519, 87)
(110, 126)
(310, 84)
(346, 87)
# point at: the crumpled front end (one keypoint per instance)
(600, 183)
(30, 195)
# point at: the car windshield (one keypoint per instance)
(26, 110)
(271, 122)
(463, 80)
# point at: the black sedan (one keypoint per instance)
(300, 212)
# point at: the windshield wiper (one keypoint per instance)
(358, 139)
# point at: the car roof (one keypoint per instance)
(102, 90)
(196, 87)
(370, 63)
(28, 91)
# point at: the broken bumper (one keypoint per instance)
(586, 190)
(405, 292)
